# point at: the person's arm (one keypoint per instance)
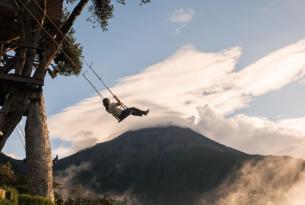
(118, 101)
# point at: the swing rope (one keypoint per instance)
(82, 57)
(96, 90)
(20, 138)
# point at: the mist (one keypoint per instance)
(270, 181)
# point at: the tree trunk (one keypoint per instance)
(38, 150)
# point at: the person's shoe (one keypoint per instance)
(146, 112)
(1, 133)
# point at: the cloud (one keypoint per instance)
(67, 176)
(294, 125)
(287, 66)
(81, 140)
(252, 134)
(177, 91)
(182, 16)
(272, 181)
(127, 198)
(68, 179)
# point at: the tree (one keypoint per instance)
(36, 49)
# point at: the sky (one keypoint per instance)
(232, 70)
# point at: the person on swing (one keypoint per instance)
(121, 114)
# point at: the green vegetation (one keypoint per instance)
(7, 175)
(11, 195)
(72, 49)
(7, 202)
(13, 192)
(26, 199)
(8, 178)
(13, 198)
(75, 197)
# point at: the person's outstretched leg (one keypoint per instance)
(132, 111)
(138, 112)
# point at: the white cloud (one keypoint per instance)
(251, 134)
(287, 66)
(182, 16)
(295, 126)
(174, 88)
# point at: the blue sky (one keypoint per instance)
(141, 36)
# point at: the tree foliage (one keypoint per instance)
(71, 51)
(102, 10)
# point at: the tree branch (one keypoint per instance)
(20, 52)
(33, 33)
(65, 28)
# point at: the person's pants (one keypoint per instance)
(131, 111)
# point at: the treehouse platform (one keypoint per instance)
(8, 81)
(17, 79)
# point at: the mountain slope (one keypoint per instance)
(158, 165)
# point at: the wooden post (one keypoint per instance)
(1, 50)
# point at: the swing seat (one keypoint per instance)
(124, 116)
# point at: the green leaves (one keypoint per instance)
(102, 10)
(25, 199)
(71, 51)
